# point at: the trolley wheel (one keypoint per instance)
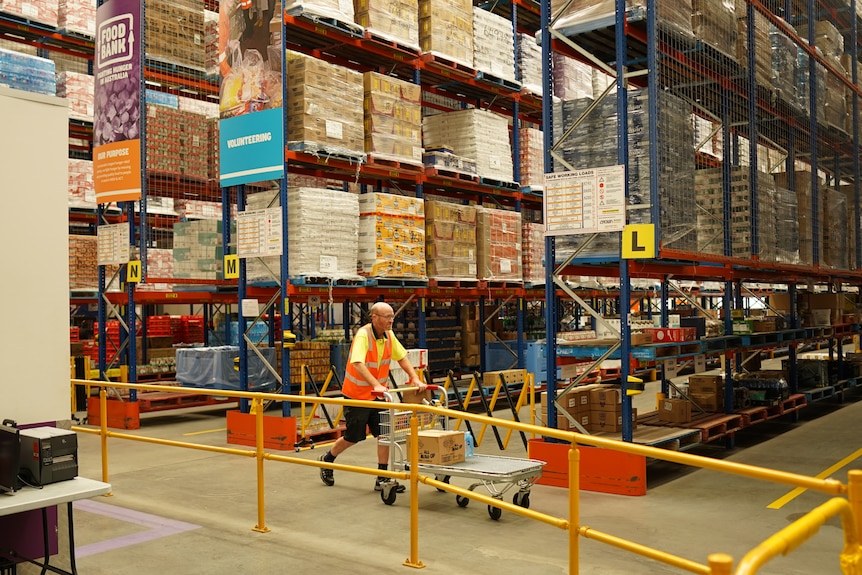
(388, 495)
(494, 512)
(462, 501)
(522, 499)
(444, 479)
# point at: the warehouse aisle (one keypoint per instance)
(192, 512)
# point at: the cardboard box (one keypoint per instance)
(642, 338)
(705, 383)
(675, 411)
(711, 402)
(606, 421)
(440, 447)
(606, 399)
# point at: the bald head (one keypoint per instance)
(382, 317)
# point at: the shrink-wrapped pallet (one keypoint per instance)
(835, 233)
(393, 20)
(78, 90)
(446, 30)
(571, 79)
(533, 252)
(324, 107)
(82, 194)
(529, 62)
(480, 135)
(27, 72)
(177, 143)
(532, 158)
(175, 32)
(714, 22)
(493, 45)
(198, 250)
(393, 119)
(77, 17)
(450, 240)
(784, 62)
(42, 11)
(341, 10)
(762, 46)
(391, 236)
(804, 216)
(498, 245)
(671, 15)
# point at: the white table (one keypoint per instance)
(29, 499)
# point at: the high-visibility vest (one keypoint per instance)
(355, 386)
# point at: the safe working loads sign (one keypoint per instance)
(585, 201)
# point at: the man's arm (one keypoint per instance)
(414, 379)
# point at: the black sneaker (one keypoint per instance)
(381, 481)
(326, 474)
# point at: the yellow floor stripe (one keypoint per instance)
(784, 500)
(207, 431)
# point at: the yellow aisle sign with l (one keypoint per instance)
(638, 241)
(231, 267)
(133, 272)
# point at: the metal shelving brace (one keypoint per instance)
(762, 129)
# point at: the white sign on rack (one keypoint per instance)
(585, 201)
(258, 233)
(112, 244)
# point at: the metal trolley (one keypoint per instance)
(497, 474)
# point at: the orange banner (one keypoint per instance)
(117, 171)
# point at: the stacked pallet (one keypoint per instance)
(533, 252)
(528, 59)
(177, 143)
(498, 245)
(79, 92)
(714, 23)
(450, 236)
(531, 156)
(493, 45)
(393, 119)
(391, 236)
(198, 252)
(175, 32)
(395, 20)
(446, 29)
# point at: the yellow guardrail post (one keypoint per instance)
(413, 456)
(574, 508)
(257, 407)
(720, 564)
(103, 415)
(851, 559)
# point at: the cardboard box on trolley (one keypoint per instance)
(439, 446)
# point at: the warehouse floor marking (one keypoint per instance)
(158, 527)
(205, 431)
(782, 501)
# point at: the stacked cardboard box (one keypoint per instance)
(835, 232)
(852, 223)
(787, 226)
(44, 11)
(707, 391)
(706, 139)
(81, 191)
(27, 72)
(480, 135)
(582, 149)
(493, 45)
(83, 267)
(160, 266)
(341, 10)
(177, 143)
(804, 205)
(671, 15)
(470, 327)
(198, 250)
(596, 407)
(211, 63)
(446, 29)
(762, 44)
(391, 236)
(532, 158)
(314, 354)
(393, 118)
(714, 22)
(533, 252)
(78, 89)
(175, 32)
(848, 65)
(674, 410)
(450, 240)
(572, 80)
(784, 61)
(395, 20)
(77, 17)
(710, 214)
(498, 244)
(324, 106)
(200, 209)
(528, 59)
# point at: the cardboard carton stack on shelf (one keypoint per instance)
(175, 32)
(572, 79)
(762, 44)
(324, 107)
(391, 236)
(198, 250)
(82, 194)
(77, 17)
(804, 223)
(528, 59)
(676, 158)
(450, 236)
(470, 327)
(341, 10)
(596, 407)
(671, 15)
(160, 265)
(532, 158)
(79, 90)
(493, 45)
(211, 49)
(533, 253)
(785, 59)
(446, 30)
(83, 267)
(847, 64)
(177, 143)
(498, 243)
(480, 135)
(27, 72)
(393, 119)
(852, 224)
(323, 242)
(395, 20)
(707, 391)
(835, 232)
(710, 214)
(714, 23)
(42, 11)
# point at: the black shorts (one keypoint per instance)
(357, 419)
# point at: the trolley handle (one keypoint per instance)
(388, 395)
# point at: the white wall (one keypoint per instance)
(34, 252)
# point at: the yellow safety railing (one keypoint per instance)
(847, 501)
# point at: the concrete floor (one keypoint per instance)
(192, 512)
